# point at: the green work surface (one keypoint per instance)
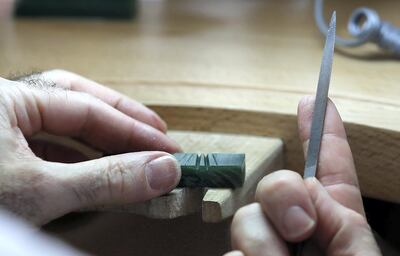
(82, 8)
(214, 170)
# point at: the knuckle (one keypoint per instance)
(119, 102)
(268, 186)
(93, 103)
(115, 171)
(107, 183)
(245, 212)
(62, 78)
(280, 180)
(353, 225)
(62, 73)
(356, 220)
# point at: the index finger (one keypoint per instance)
(69, 113)
(130, 107)
(336, 170)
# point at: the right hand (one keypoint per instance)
(329, 212)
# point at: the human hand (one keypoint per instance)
(34, 187)
(328, 211)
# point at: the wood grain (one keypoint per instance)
(225, 66)
(179, 202)
(376, 151)
(250, 44)
(231, 66)
(263, 155)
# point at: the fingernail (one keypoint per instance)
(297, 222)
(162, 173)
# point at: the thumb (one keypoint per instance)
(119, 179)
(340, 230)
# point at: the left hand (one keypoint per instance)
(36, 182)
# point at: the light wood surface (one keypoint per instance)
(263, 155)
(231, 66)
(179, 202)
(126, 231)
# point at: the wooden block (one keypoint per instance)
(180, 202)
(257, 98)
(215, 170)
(263, 155)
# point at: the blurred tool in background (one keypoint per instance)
(366, 26)
(116, 9)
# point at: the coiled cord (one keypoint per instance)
(366, 26)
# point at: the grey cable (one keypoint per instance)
(366, 26)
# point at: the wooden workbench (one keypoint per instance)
(230, 66)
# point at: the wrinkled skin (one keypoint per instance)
(40, 181)
(327, 212)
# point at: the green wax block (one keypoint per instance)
(214, 170)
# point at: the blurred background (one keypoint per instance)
(138, 47)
